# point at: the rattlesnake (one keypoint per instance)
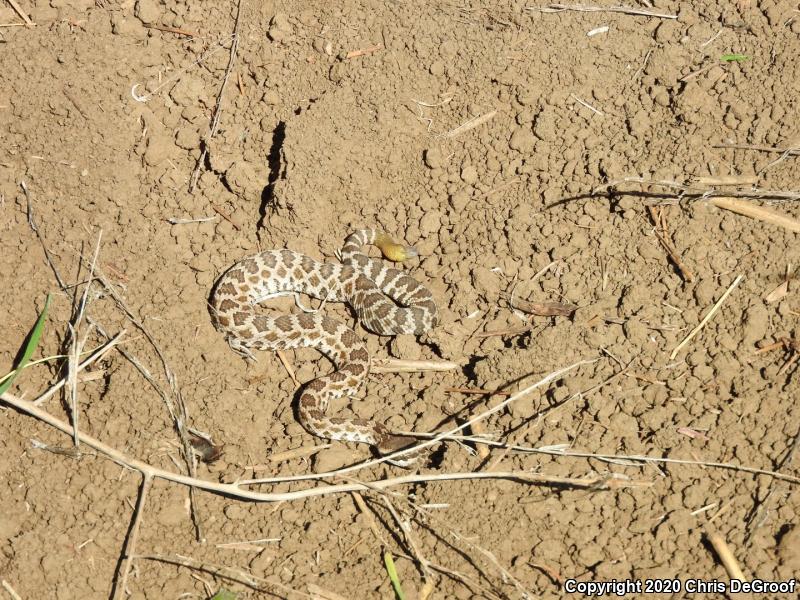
(385, 300)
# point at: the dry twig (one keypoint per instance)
(397, 365)
(22, 14)
(547, 380)
(761, 213)
(471, 124)
(176, 30)
(735, 180)
(229, 573)
(121, 584)
(688, 190)
(627, 10)
(790, 151)
(657, 214)
(98, 354)
(11, 592)
(76, 344)
(726, 556)
(212, 129)
(363, 51)
(707, 318)
(235, 490)
(461, 390)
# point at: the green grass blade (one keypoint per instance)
(38, 361)
(224, 594)
(398, 589)
(734, 57)
(30, 347)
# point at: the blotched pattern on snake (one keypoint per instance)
(385, 300)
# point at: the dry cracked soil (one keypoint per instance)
(509, 145)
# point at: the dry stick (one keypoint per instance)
(181, 417)
(212, 130)
(120, 587)
(626, 458)
(148, 377)
(77, 347)
(740, 180)
(639, 12)
(587, 105)
(385, 494)
(363, 51)
(396, 365)
(301, 452)
(225, 216)
(287, 365)
(35, 229)
(427, 573)
(471, 124)
(778, 160)
(698, 72)
(460, 390)
(424, 563)
(437, 437)
(725, 556)
(95, 356)
(792, 152)
(248, 544)
(461, 578)
(72, 378)
(7, 587)
(176, 221)
(177, 30)
(508, 331)
(234, 489)
(761, 213)
(690, 191)
(458, 536)
(707, 318)
(367, 512)
(320, 593)
(663, 236)
(230, 573)
(18, 9)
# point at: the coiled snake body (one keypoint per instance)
(385, 300)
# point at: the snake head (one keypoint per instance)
(394, 251)
(393, 442)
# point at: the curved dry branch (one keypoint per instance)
(235, 491)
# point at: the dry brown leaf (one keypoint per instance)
(694, 434)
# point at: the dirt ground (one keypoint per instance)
(475, 131)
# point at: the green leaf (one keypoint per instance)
(734, 57)
(224, 594)
(30, 347)
(398, 589)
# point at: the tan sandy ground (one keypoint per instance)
(313, 142)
